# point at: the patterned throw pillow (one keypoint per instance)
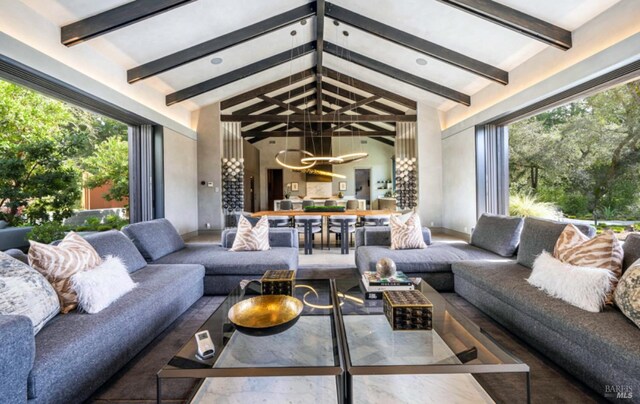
(252, 238)
(627, 294)
(406, 235)
(603, 251)
(24, 291)
(59, 263)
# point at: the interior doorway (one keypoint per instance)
(275, 186)
(363, 184)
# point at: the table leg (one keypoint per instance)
(158, 390)
(308, 242)
(528, 387)
(344, 235)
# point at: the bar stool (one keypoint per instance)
(377, 220)
(330, 202)
(309, 226)
(387, 204)
(352, 204)
(286, 205)
(307, 203)
(343, 226)
(279, 221)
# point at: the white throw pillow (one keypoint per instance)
(252, 238)
(97, 288)
(406, 235)
(583, 287)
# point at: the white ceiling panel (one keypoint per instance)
(240, 56)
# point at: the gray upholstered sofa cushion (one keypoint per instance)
(76, 353)
(541, 235)
(217, 260)
(16, 357)
(155, 238)
(499, 234)
(436, 258)
(18, 254)
(381, 236)
(631, 249)
(277, 238)
(117, 244)
(605, 340)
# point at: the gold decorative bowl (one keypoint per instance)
(265, 315)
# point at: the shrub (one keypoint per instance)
(115, 221)
(104, 227)
(528, 205)
(47, 232)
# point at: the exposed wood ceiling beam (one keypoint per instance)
(279, 133)
(516, 21)
(320, 10)
(361, 85)
(356, 104)
(397, 74)
(317, 118)
(220, 43)
(276, 85)
(281, 104)
(280, 97)
(384, 140)
(357, 97)
(116, 18)
(341, 103)
(418, 44)
(239, 74)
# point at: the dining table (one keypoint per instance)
(344, 225)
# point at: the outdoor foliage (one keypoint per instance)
(47, 232)
(525, 205)
(583, 157)
(109, 164)
(43, 146)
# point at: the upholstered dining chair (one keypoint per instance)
(306, 203)
(286, 205)
(330, 202)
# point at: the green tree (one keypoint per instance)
(37, 136)
(585, 156)
(109, 164)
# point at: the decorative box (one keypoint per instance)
(278, 282)
(407, 310)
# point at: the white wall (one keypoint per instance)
(459, 179)
(180, 181)
(379, 161)
(429, 150)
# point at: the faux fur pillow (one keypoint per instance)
(97, 288)
(583, 287)
(406, 235)
(59, 263)
(252, 238)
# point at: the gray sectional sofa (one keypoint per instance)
(76, 353)
(601, 349)
(432, 264)
(159, 243)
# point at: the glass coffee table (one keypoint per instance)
(343, 350)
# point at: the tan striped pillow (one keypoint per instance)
(603, 251)
(250, 238)
(59, 263)
(406, 235)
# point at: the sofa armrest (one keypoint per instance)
(17, 353)
(284, 237)
(381, 236)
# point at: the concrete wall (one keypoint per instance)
(181, 181)
(459, 179)
(268, 149)
(429, 150)
(207, 123)
(251, 169)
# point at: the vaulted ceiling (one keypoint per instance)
(440, 52)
